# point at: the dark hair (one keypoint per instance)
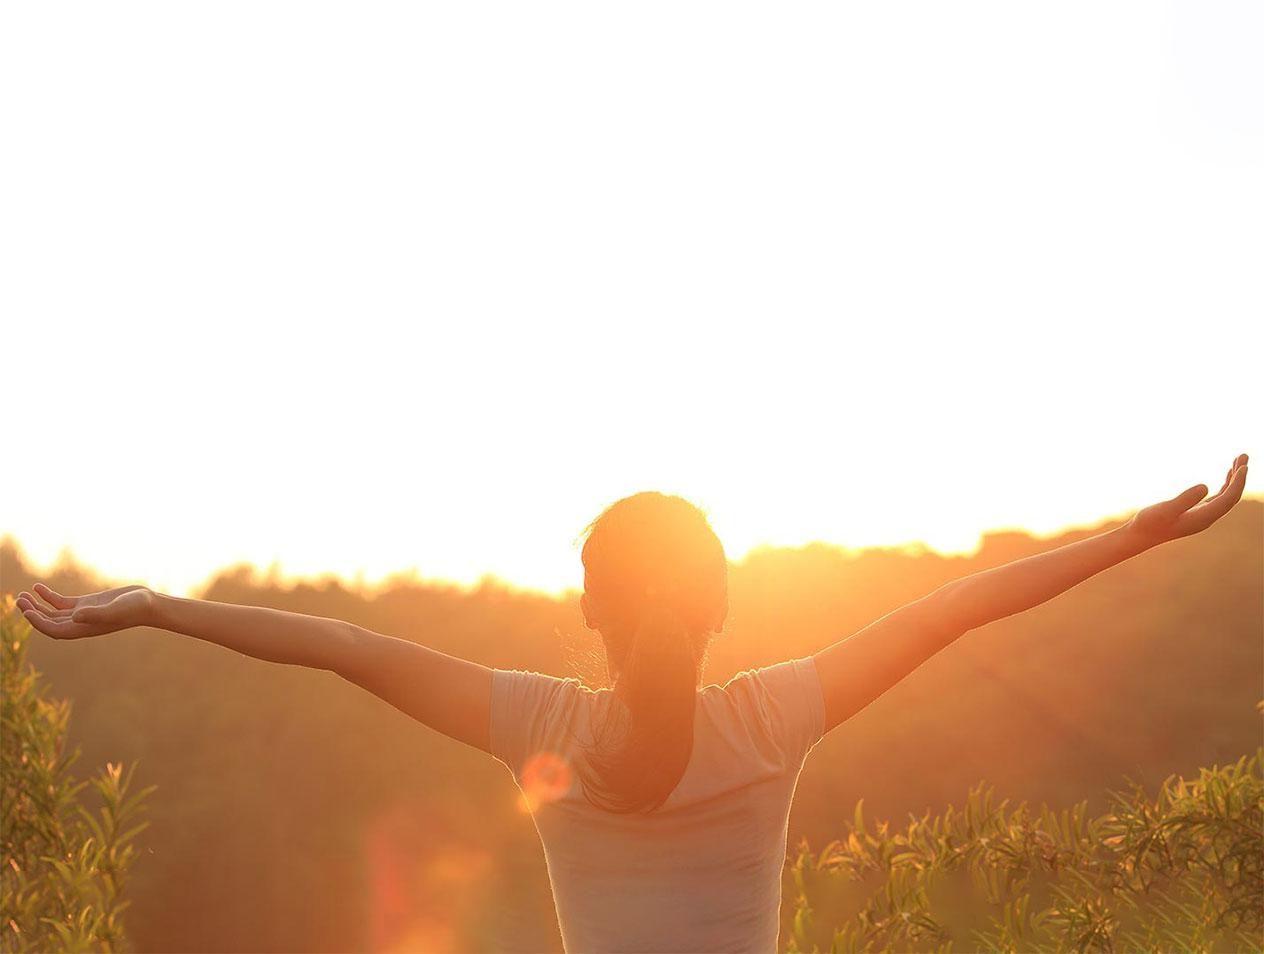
(656, 587)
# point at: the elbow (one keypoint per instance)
(948, 610)
(347, 649)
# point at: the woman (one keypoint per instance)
(662, 807)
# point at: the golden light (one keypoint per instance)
(850, 296)
(546, 777)
(421, 874)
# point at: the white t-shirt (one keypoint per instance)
(701, 873)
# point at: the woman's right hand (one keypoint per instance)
(74, 617)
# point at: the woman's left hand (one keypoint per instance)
(1188, 513)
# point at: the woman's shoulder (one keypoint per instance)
(793, 674)
(533, 712)
(542, 681)
(781, 703)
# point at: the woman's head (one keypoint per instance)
(656, 590)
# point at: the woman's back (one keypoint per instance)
(703, 871)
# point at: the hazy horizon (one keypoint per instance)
(276, 573)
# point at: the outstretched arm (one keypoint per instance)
(451, 695)
(858, 669)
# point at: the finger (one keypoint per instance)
(1233, 493)
(1238, 462)
(1184, 500)
(57, 628)
(36, 603)
(90, 614)
(1228, 477)
(96, 615)
(54, 598)
(1203, 516)
(44, 606)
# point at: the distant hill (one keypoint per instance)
(294, 811)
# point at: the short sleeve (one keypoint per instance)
(785, 705)
(530, 713)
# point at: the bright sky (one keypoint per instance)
(364, 287)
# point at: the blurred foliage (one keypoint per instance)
(1183, 871)
(311, 816)
(62, 866)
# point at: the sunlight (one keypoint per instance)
(352, 318)
(421, 878)
(546, 777)
(918, 305)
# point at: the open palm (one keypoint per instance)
(1189, 512)
(74, 617)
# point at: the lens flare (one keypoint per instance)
(546, 777)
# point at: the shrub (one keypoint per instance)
(1182, 871)
(62, 866)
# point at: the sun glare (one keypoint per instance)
(437, 308)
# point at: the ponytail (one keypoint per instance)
(644, 747)
(656, 588)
